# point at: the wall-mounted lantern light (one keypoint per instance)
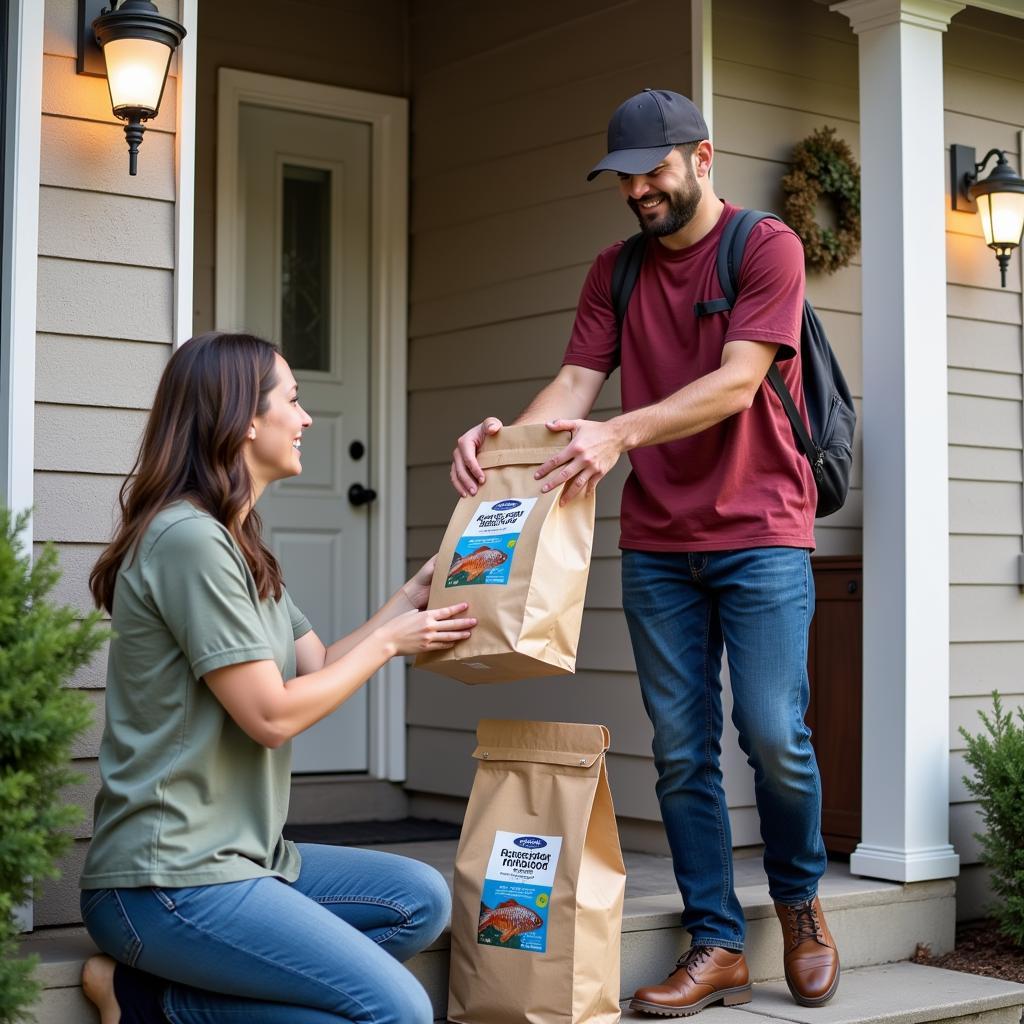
(130, 42)
(998, 200)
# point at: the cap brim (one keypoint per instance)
(631, 161)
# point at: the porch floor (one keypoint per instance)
(900, 993)
(651, 875)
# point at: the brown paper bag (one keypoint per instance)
(539, 881)
(520, 561)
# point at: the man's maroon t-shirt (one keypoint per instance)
(742, 483)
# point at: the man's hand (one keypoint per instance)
(589, 457)
(466, 474)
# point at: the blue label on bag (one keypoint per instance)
(483, 554)
(516, 896)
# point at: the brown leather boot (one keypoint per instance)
(809, 953)
(703, 975)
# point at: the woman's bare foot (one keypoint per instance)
(98, 986)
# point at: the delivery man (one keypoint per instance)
(717, 525)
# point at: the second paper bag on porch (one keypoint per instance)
(539, 880)
(521, 562)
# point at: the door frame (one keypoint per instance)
(388, 118)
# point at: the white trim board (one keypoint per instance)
(1011, 8)
(701, 59)
(24, 97)
(185, 174)
(388, 118)
(1020, 260)
(18, 263)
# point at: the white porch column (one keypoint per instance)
(906, 510)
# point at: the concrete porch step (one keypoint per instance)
(873, 922)
(901, 993)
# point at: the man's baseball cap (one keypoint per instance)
(644, 129)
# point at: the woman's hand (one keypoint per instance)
(417, 590)
(419, 632)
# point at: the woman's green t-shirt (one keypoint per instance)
(187, 798)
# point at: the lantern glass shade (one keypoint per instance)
(1002, 218)
(136, 72)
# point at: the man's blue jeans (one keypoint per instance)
(323, 950)
(680, 607)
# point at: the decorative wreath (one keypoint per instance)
(824, 166)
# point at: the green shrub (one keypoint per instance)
(41, 646)
(997, 757)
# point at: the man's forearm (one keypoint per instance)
(690, 410)
(558, 400)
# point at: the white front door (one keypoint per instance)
(305, 183)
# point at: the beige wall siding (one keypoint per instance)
(473, 305)
(780, 72)
(510, 110)
(105, 321)
(504, 229)
(984, 101)
(351, 43)
(509, 115)
(106, 246)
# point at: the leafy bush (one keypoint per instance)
(41, 646)
(997, 757)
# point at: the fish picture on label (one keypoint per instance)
(515, 899)
(474, 564)
(508, 920)
(483, 554)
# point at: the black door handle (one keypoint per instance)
(360, 495)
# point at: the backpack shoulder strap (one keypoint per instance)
(732, 246)
(730, 256)
(625, 275)
(774, 377)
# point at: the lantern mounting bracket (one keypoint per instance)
(90, 56)
(964, 172)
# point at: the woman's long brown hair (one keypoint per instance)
(209, 393)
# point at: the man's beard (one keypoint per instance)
(682, 207)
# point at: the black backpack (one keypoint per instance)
(829, 445)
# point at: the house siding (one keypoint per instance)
(104, 333)
(777, 76)
(504, 230)
(984, 101)
(106, 281)
(510, 111)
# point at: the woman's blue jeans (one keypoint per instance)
(680, 607)
(324, 949)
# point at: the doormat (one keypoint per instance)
(374, 833)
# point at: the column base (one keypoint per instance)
(898, 865)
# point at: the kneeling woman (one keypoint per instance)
(209, 914)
